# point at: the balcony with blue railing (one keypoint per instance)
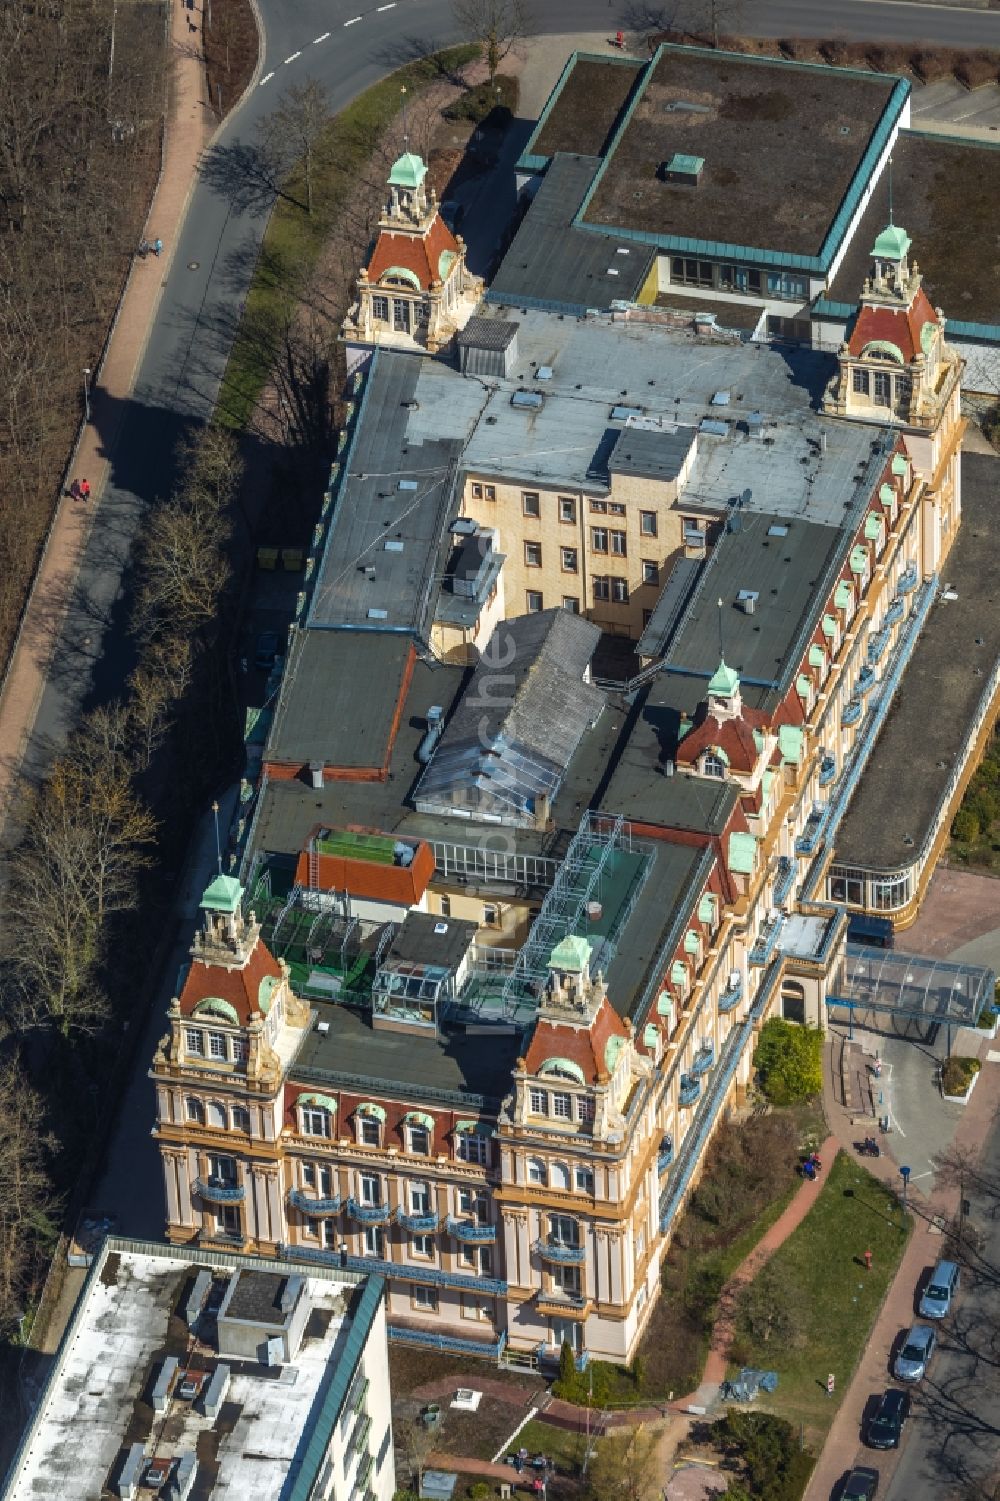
(449, 1344)
(895, 611)
(409, 1271)
(784, 879)
(732, 995)
(690, 1089)
(866, 679)
(702, 1061)
(557, 1250)
(878, 643)
(851, 712)
(368, 1214)
(813, 830)
(908, 579)
(665, 1156)
(767, 940)
(417, 1224)
(306, 1204)
(827, 771)
(472, 1233)
(219, 1191)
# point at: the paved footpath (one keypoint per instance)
(189, 126)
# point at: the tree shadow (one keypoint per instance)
(248, 176)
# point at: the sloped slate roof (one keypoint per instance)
(519, 721)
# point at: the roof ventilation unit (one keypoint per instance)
(684, 170)
(528, 401)
(316, 775)
(403, 853)
(747, 600)
(544, 372)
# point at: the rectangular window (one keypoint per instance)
(315, 1122)
(563, 1231)
(326, 1183)
(380, 309)
(489, 492)
(533, 600)
(530, 503)
(882, 388)
(599, 538)
(647, 523)
(602, 588)
(566, 1279)
(474, 1307)
(425, 1298)
(567, 509)
(539, 1102)
(422, 1245)
(194, 1041)
(473, 1205)
(371, 1241)
(370, 1136)
(308, 1175)
(600, 506)
(571, 603)
(650, 573)
(400, 315)
(585, 1180)
(420, 1141)
(473, 1148)
(614, 509)
(619, 592)
(694, 532)
(562, 1106)
(330, 1233)
(533, 554)
(445, 906)
(861, 382)
(536, 1171)
(217, 1045)
(240, 1049)
(477, 492)
(568, 558)
(222, 1170)
(371, 1189)
(618, 544)
(584, 1107)
(491, 915)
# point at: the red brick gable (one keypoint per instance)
(420, 254)
(240, 987)
(901, 327)
(584, 1046)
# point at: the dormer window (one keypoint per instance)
(562, 1106)
(418, 1129)
(194, 1042)
(538, 1102)
(369, 1124)
(316, 1115)
(713, 765)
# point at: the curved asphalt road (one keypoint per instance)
(346, 45)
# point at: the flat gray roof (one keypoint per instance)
(552, 262)
(425, 938)
(356, 1056)
(642, 938)
(652, 455)
(927, 728)
(638, 787)
(321, 715)
(391, 515)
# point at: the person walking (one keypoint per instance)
(830, 1384)
(157, 248)
(84, 489)
(74, 490)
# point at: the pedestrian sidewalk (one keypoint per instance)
(843, 1445)
(188, 128)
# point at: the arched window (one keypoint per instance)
(241, 1118)
(194, 1110)
(217, 1115)
(560, 1176)
(714, 766)
(537, 1172)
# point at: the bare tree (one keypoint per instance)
(626, 1466)
(297, 127)
(497, 25)
(416, 1442)
(27, 1203)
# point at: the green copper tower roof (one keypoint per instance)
(571, 953)
(892, 244)
(408, 171)
(724, 682)
(224, 895)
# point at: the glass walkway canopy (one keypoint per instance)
(910, 987)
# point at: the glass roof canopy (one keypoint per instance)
(911, 985)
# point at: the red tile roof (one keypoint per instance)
(584, 1046)
(240, 987)
(420, 254)
(901, 327)
(733, 736)
(402, 884)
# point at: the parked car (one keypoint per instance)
(940, 1290)
(860, 1485)
(267, 650)
(886, 1423)
(915, 1356)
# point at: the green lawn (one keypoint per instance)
(565, 1448)
(293, 240)
(834, 1301)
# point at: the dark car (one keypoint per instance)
(886, 1423)
(860, 1485)
(266, 650)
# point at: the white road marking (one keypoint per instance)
(320, 38)
(266, 79)
(292, 58)
(353, 21)
(381, 8)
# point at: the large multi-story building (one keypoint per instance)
(504, 930)
(182, 1374)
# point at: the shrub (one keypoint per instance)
(958, 1073)
(932, 64)
(965, 826)
(789, 1060)
(975, 69)
(765, 1451)
(493, 107)
(835, 52)
(479, 1492)
(567, 1365)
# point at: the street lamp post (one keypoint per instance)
(86, 391)
(904, 1173)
